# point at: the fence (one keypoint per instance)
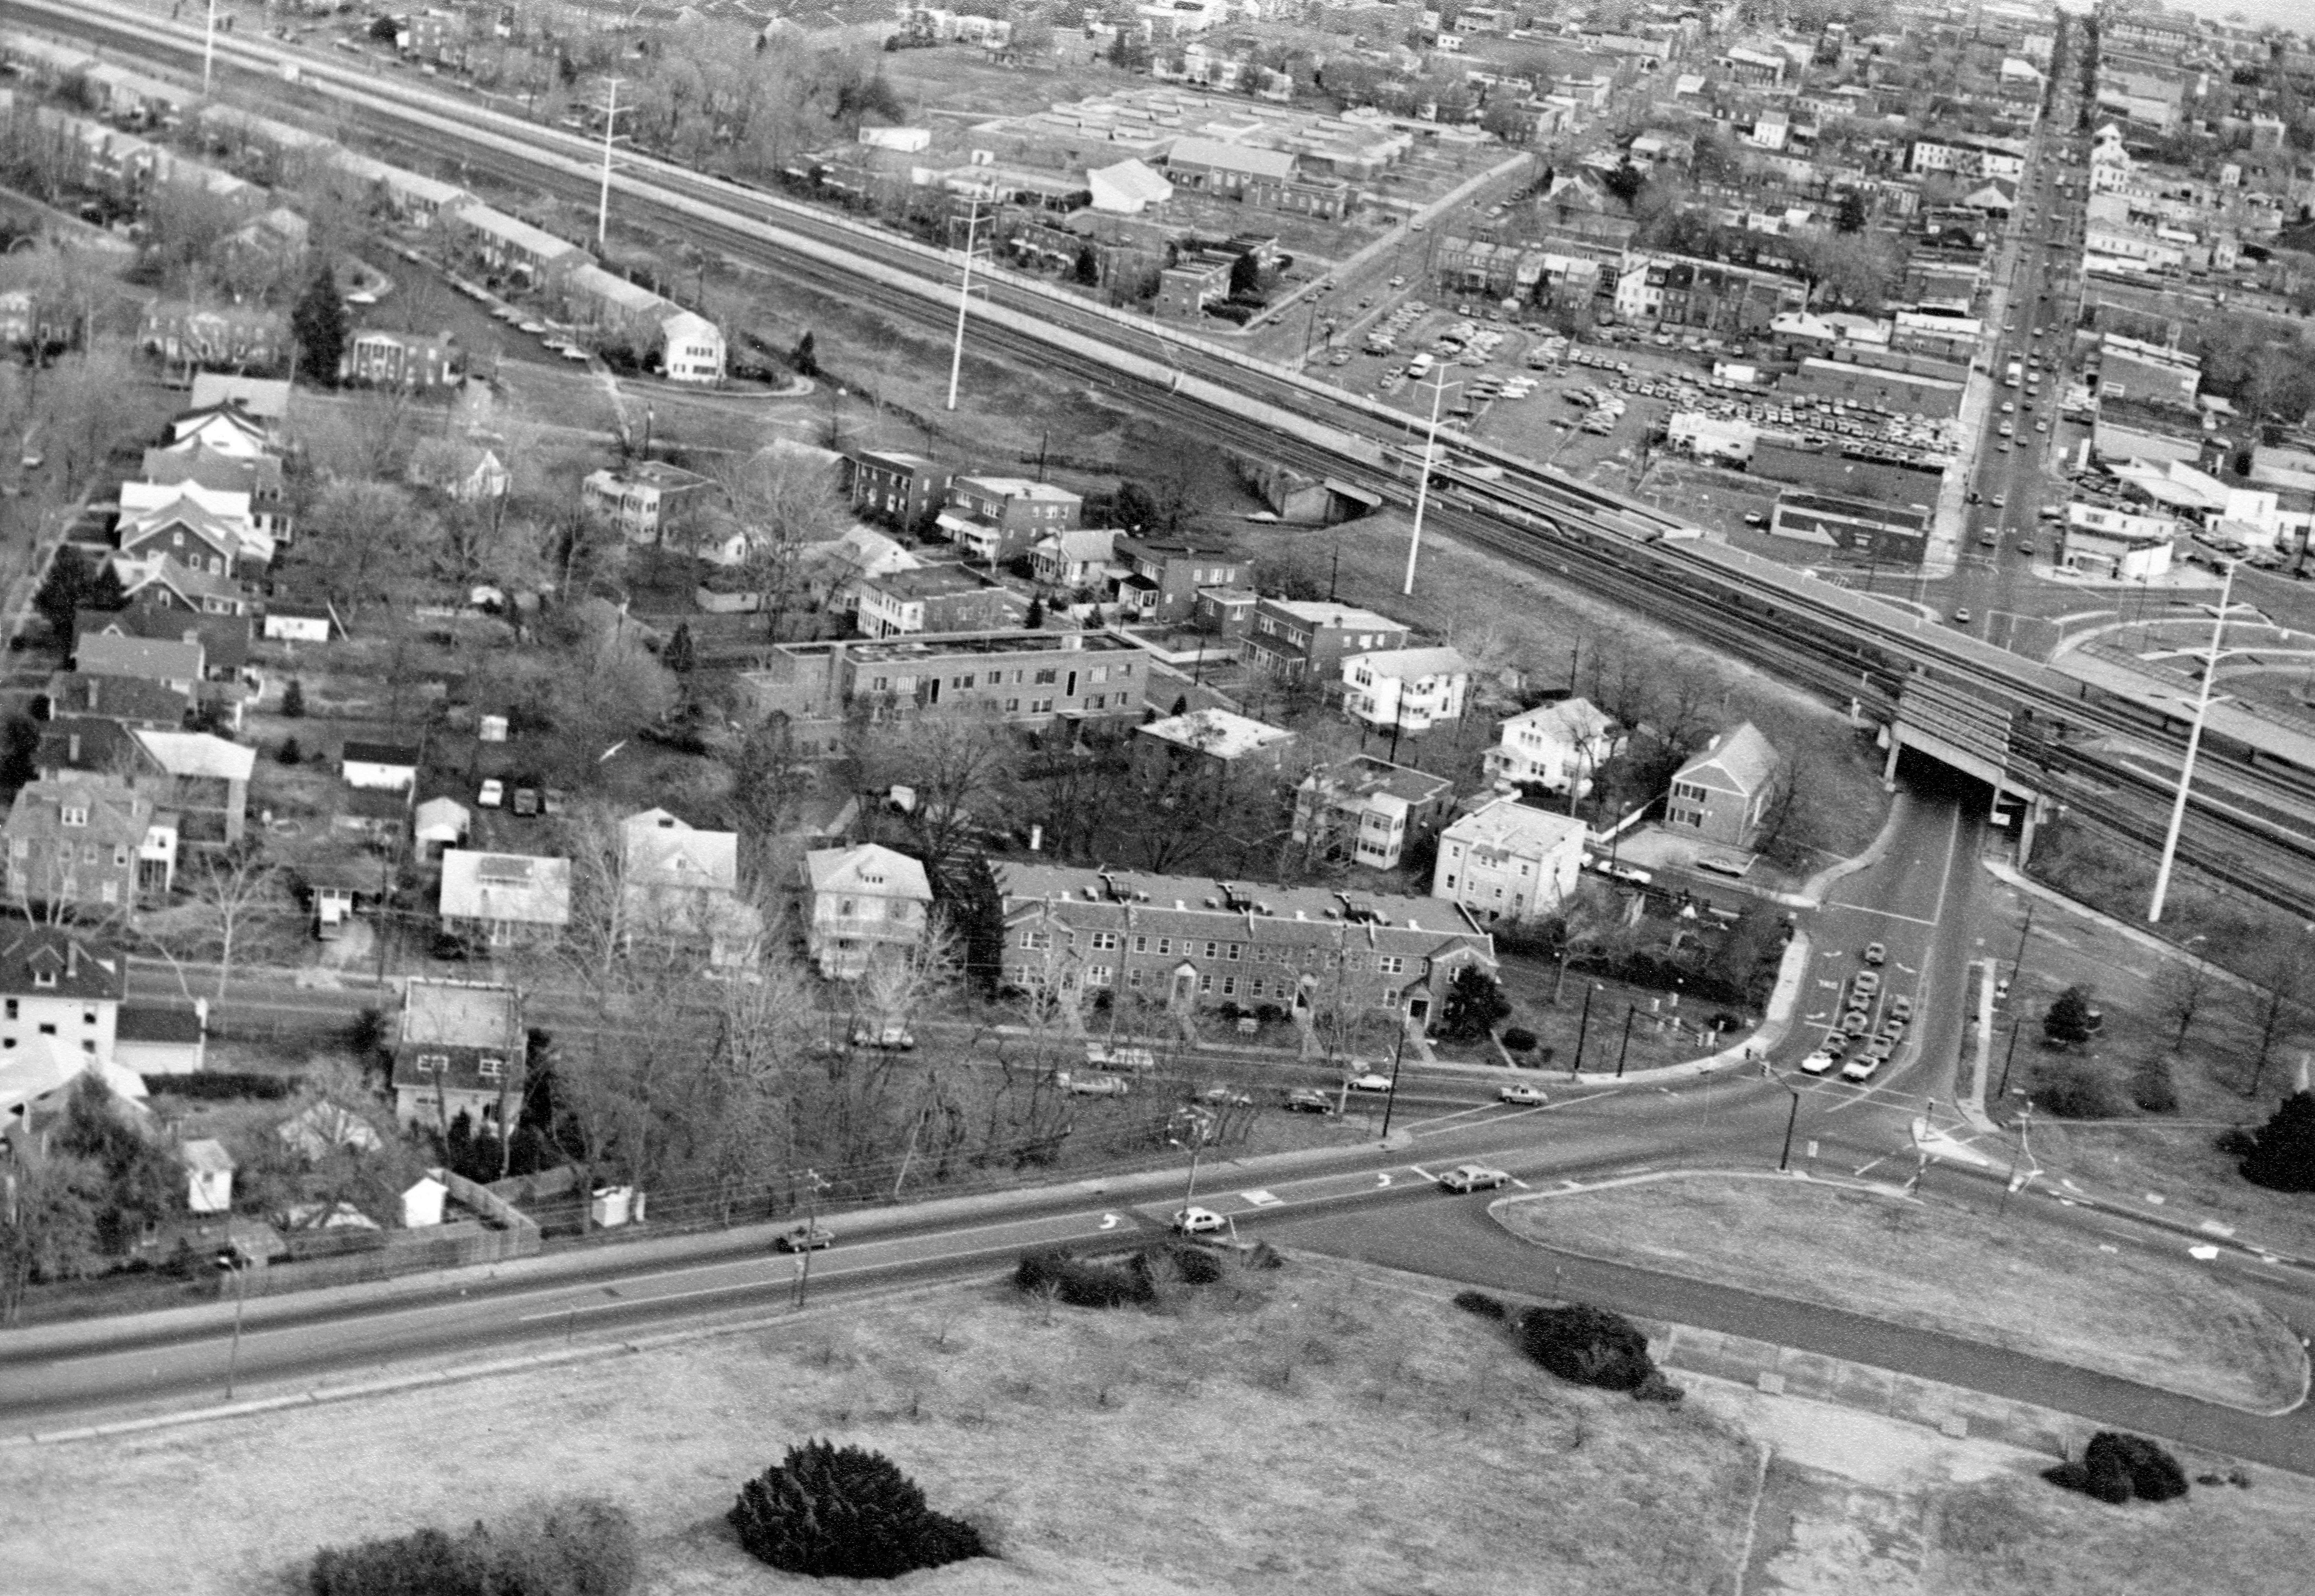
(502, 1232)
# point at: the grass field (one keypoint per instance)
(1319, 1432)
(1941, 1267)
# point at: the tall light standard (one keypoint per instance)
(1423, 482)
(231, 1260)
(2194, 746)
(1792, 1116)
(964, 300)
(603, 196)
(208, 51)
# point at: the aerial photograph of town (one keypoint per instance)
(1129, 797)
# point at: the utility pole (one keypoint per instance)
(1792, 1115)
(208, 62)
(1583, 1030)
(2194, 746)
(1390, 1101)
(603, 200)
(964, 300)
(231, 1260)
(1423, 482)
(2018, 964)
(1631, 1013)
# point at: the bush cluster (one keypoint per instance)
(2152, 1089)
(1483, 1304)
(826, 1510)
(2075, 1091)
(579, 1546)
(1081, 1283)
(215, 1084)
(2115, 1467)
(1594, 1347)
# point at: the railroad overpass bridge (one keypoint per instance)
(1961, 725)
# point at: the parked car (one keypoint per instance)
(1861, 1068)
(1198, 1221)
(1867, 981)
(1901, 1007)
(1308, 1100)
(1473, 1177)
(806, 1238)
(1527, 1096)
(1855, 1022)
(1092, 1085)
(1136, 1060)
(1227, 1096)
(1817, 1063)
(1875, 954)
(491, 794)
(1368, 1080)
(892, 1035)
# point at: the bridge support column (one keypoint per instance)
(2025, 828)
(1889, 767)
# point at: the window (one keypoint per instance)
(1165, 946)
(1254, 988)
(1012, 706)
(489, 1067)
(1133, 977)
(1391, 964)
(1141, 945)
(1041, 706)
(119, 854)
(1237, 948)
(109, 892)
(1229, 986)
(1098, 701)
(1098, 975)
(1205, 983)
(88, 1017)
(12, 1008)
(88, 853)
(44, 977)
(1101, 673)
(1212, 948)
(1036, 939)
(75, 814)
(1104, 941)
(1047, 677)
(1451, 884)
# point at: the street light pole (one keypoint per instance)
(209, 61)
(1631, 1013)
(1390, 1101)
(1792, 1115)
(232, 1261)
(603, 199)
(1582, 1029)
(2194, 746)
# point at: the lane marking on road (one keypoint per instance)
(1111, 1221)
(1425, 1174)
(1383, 1178)
(1886, 913)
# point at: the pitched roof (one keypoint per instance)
(259, 475)
(86, 743)
(150, 659)
(198, 754)
(159, 1022)
(523, 889)
(1269, 912)
(1574, 721)
(266, 398)
(1740, 761)
(321, 1127)
(54, 961)
(377, 753)
(115, 812)
(1410, 663)
(662, 851)
(129, 699)
(1232, 157)
(206, 1154)
(869, 868)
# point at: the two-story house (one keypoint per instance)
(1162, 577)
(864, 901)
(646, 501)
(899, 488)
(1553, 746)
(93, 846)
(934, 598)
(1207, 740)
(680, 885)
(1194, 943)
(1405, 689)
(1510, 860)
(203, 778)
(1364, 810)
(257, 476)
(57, 983)
(1071, 560)
(996, 518)
(1723, 793)
(1300, 638)
(167, 662)
(504, 901)
(460, 1048)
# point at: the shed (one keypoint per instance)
(297, 623)
(421, 1204)
(208, 1176)
(441, 823)
(382, 767)
(162, 1037)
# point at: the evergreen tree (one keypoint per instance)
(63, 591)
(1088, 270)
(681, 654)
(2282, 1156)
(319, 325)
(1035, 618)
(845, 1510)
(1245, 276)
(806, 358)
(293, 699)
(290, 754)
(1475, 1002)
(105, 589)
(2068, 1023)
(1850, 218)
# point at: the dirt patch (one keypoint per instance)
(1316, 1433)
(2147, 1319)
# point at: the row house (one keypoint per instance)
(393, 193)
(1191, 944)
(901, 488)
(1163, 576)
(511, 248)
(1301, 638)
(411, 361)
(1364, 810)
(1028, 679)
(232, 336)
(996, 518)
(1677, 291)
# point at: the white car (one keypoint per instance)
(492, 794)
(1473, 1177)
(1092, 1085)
(1526, 1095)
(1368, 1081)
(1198, 1221)
(1860, 1068)
(1817, 1063)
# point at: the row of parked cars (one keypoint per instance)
(1871, 1026)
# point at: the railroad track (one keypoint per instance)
(1843, 644)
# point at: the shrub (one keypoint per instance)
(293, 699)
(827, 1509)
(1079, 1283)
(2235, 1141)
(2152, 1089)
(2282, 1153)
(2075, 1091)
(2115, 1467)
(1519, 1040)
(289, 753)
(211, 1084)
(1481, 1304)
(1193, 1265)
(1589, 1345)
(579, 1545)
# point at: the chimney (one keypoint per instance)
(90, 685)
(72, 748)
(72, 959)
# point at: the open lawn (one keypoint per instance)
(1928, 1263)
(1306, 1429)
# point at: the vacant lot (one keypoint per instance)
(1941, 1267)
(1310, 1432)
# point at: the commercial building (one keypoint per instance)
(1866, 529)
(2100, 542)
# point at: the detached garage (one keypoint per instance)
(162, 1037)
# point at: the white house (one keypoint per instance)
(1508, 860)
(1076, 559)
(692, 348)
(441, 823)
(1405, 689)
(864, 899)
(681, 884)
(208, 1176)
(1553, 745)
(297, 623)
